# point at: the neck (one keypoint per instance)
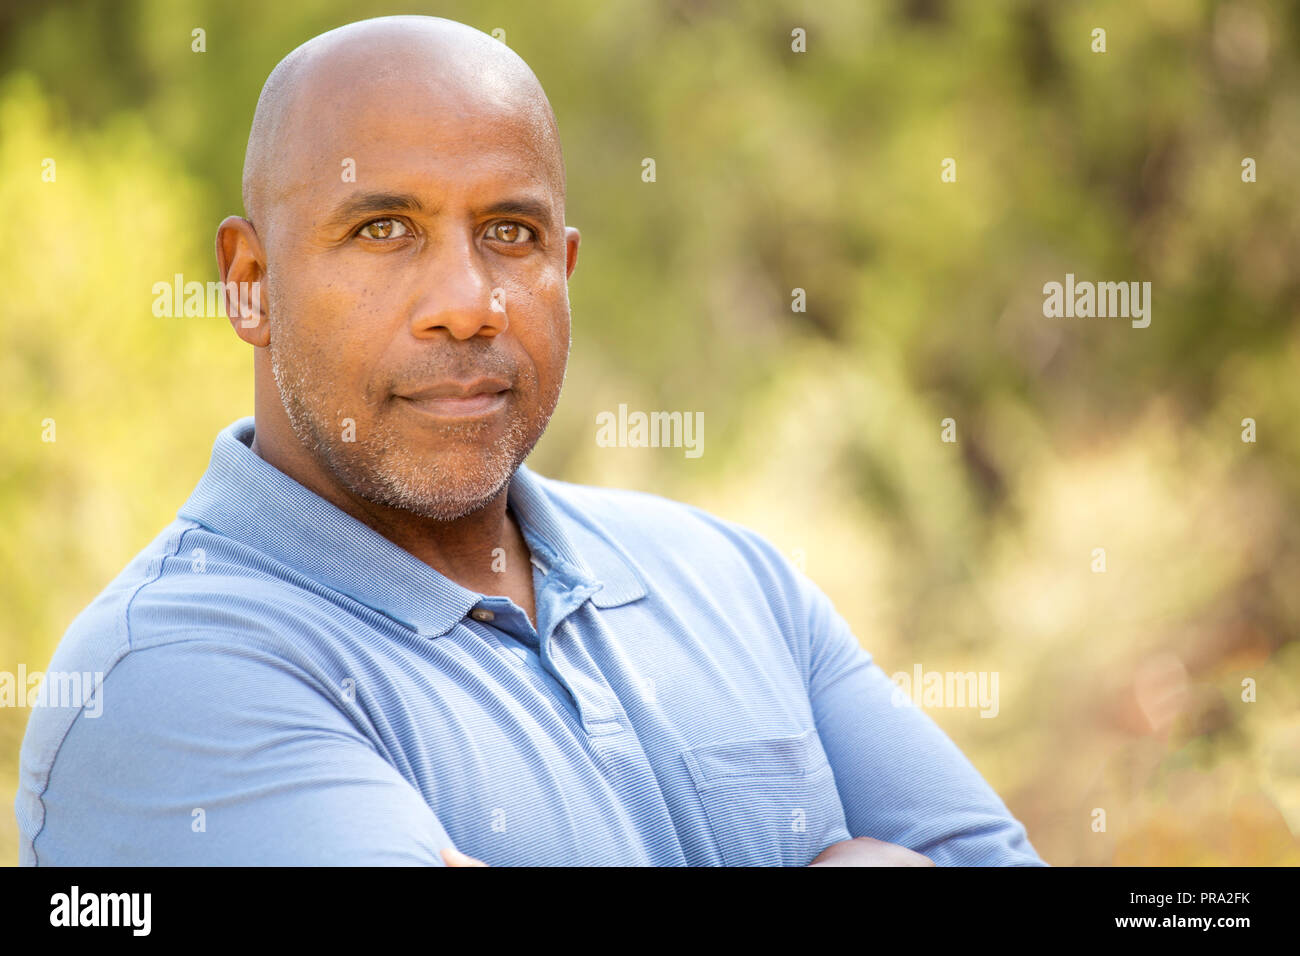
(462, 549)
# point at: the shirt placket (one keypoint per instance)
(583, 694)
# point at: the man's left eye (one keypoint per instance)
(511, 232)
(384, 229)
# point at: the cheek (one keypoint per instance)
(548, 347)
(333, 325)
(544, 328)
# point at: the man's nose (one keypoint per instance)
(459, 296)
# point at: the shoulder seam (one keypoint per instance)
(174, 551)
(124, 647)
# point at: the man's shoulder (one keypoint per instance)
(628, 510)
(163, 596)
(655, 529)
(100, 634)
(624, 502)
(188, 583)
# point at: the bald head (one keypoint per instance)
(402, 269)
(412, 64)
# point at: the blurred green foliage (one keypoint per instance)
(779, 170)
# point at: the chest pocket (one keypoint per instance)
(770, 801)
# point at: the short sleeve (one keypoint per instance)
(900, 777)
(209, 754)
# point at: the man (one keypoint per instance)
(373, 636)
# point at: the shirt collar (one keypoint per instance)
(245, 498)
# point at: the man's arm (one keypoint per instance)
(207, 754)
(900, 778)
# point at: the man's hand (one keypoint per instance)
(860, 851)
(866, 851)
(453, 857)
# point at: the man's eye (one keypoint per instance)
(511, 232)
(383, 229)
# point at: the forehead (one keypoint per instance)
(399, 121)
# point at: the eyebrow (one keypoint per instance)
(366, 203)
(521, 206)
(374, 203)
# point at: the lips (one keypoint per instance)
(450, 389)
(450, 399)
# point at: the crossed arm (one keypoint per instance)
(901, 779)
(211, 755)
(910, 796)
(859, 851)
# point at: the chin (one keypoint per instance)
(441, 478)
(444, 491)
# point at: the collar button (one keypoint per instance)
(482, 614)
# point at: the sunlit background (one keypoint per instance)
(1120, 690)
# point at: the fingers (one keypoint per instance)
(893, 854)
(453, 857)
(868, 851)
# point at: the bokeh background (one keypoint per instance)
(779, 170)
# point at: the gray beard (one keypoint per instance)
(378, 468)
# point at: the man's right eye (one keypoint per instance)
(383, 229)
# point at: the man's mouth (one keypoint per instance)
(448, 399)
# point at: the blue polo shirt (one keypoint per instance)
(283, 685)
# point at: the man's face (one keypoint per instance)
(417, 269)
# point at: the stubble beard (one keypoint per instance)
(381, 468)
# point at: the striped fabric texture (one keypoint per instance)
(279, 684)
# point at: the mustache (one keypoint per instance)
(463, 364)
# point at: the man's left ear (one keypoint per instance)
(571, 239)
(241, 262)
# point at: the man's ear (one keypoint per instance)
(571, 239)
(242, 264)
